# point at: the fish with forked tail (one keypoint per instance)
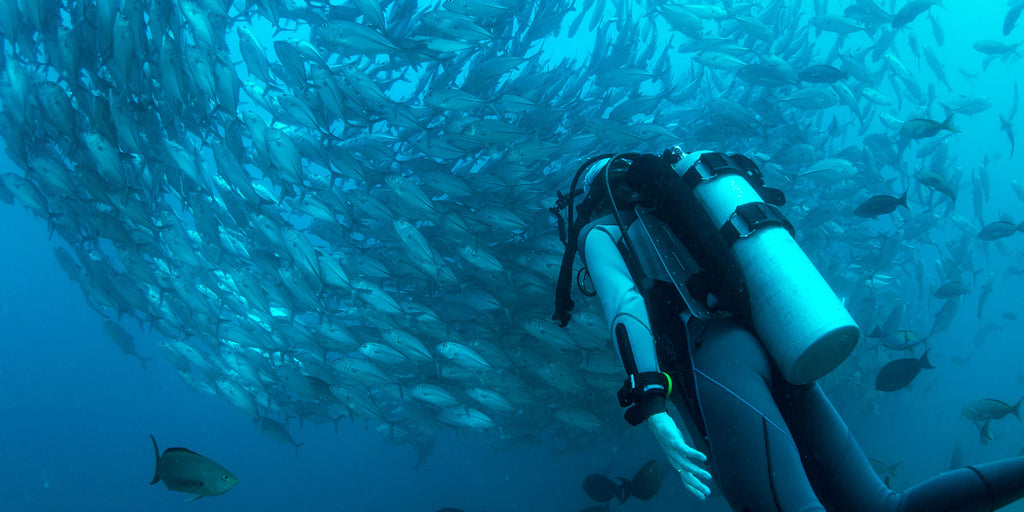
(184, 470)
(880, 205)
(990, 409)
(999, 229)
(897, 374)
(924, 128)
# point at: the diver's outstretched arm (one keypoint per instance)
(630, 327)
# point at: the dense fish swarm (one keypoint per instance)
(341, 211)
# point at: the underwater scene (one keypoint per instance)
(274, 255)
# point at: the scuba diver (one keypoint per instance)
(712, 305)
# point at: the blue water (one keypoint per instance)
(77, 413)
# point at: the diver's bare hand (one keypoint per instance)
(684, 458)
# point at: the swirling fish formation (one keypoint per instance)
(341, 211)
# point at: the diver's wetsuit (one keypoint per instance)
(773, 446)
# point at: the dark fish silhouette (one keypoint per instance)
(951, 289)
(999, 229)
(1006, 125)
(184, 470)
(602, 489)
(1011, 19)
(880, 205)
(924, 128)
(901, 372)
(647, 481)
(990, 409)
(911, 11)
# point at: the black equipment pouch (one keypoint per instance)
(644, 394)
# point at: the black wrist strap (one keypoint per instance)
(644, 394)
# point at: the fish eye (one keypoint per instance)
(225, 477)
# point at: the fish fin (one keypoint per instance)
(156, 470)
(903, 199)
(949, 110)
(1016, 408)
(924, 361)
(194, 497)
(948, 124)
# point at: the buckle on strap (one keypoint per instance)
(749, 217)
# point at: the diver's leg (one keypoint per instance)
(843, 476)
(752, 454)
(838, 468)
(977, 488)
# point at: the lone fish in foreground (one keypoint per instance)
(880, 205)
(898, 374)
(184, 470)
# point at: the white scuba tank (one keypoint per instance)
(802, 324)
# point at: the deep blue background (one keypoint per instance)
(76, 413)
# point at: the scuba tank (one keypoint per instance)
(798, 318)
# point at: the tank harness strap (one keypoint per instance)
(710, 165)
(749, 217)
(563, 287)
(568, 231)
(561, 203)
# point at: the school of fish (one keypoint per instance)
(339, 210)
